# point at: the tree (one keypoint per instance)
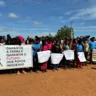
(65, 32)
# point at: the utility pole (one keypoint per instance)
(71, 35)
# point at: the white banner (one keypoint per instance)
(94, 55)
(69, 54)
(13, 57)
(56, 58)
(43, 56)
(81, 57)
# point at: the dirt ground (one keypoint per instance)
(74, 82)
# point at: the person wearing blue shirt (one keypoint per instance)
(92, 45)
(36, 46)
(79, 46)
(79, 49)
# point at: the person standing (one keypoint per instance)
(67, 46)
(36, 46)
(86, 50)
(79, 49)
(56, 49)
(92, 45)
(20, 41)
(74, 47)
(44, 47)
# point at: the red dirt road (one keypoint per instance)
(74, 82)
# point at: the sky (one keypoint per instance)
(42, 17)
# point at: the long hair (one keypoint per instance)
(43, 42)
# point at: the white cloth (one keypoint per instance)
(43, 56)
(69, 54)
(56, 58)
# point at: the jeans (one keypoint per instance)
(86, 55)
(35, 63)
(55, 66)
(90, 56)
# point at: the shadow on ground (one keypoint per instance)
(93, 68)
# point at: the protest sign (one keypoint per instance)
(94, 55)
(56, 58)
(12, 57)
(69, 54)
(81, 57)
(43, 56)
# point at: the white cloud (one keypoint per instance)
(84, 14)
(2, 3)
(52, 17)
(85, 30)
(12, 15)
(33, 29)
(45, 33)
(12, 32)
(57, 18)
(89, 30)
(71, 12)
(24, 21)
(82, 30)
(60, 18)
(85, 27)
(82, 23)
(5, 29)
(68, 13)
(65, 21)
(27, 19)
(37, 23)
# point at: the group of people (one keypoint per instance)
(55, 45)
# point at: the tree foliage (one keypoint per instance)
(65, 32)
